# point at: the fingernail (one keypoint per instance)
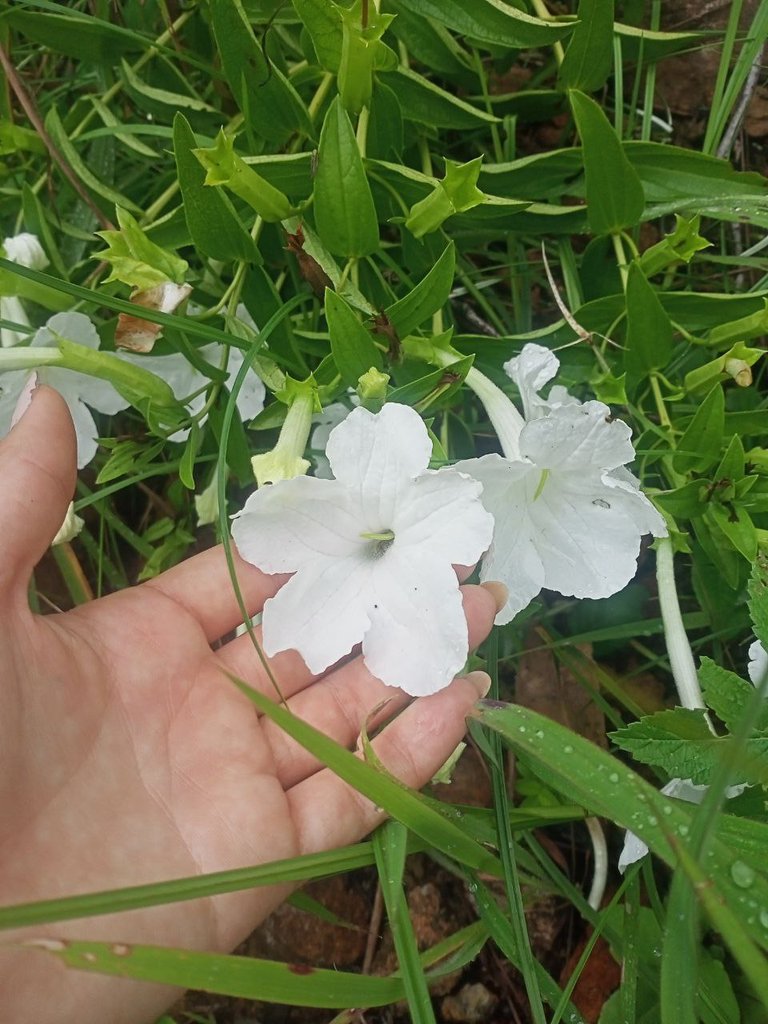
(481, 682)
(25, 398)
(498, 591)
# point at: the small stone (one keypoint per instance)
(471, 1004)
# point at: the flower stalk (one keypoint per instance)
(678, 648)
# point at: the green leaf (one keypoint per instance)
(163, 96)
(489, 21)
(75, 34)
(440, 384)
(615, 198)
(224, 167)
(649, 329)
(243, 976)
(727, 694)
(353, 348)
(398, 800)
(322, 20)
(423, 101)
(427, 297)
(758, 597)
(699, 447)
(56, 130)
(135, 259)
(680, 742)
(267, 100)
(345, 216)
(213, 224)
(187, 462)
(589, 57)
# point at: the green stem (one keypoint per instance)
(621, 258)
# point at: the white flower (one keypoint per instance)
(325, 421)
(70, 528)
(78, 390)
(569, 516)
(24, 249)
(372, 551)
(758, 662)
(185, 380)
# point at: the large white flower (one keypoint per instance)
(758, 662)
(372, 552)
(185, 380)
(569, 516)
(79, 390)
(24, 249)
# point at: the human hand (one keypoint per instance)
(129, 757)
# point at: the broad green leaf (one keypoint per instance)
(75, 34)
(353, 348)
(649, 330)
(59, 135)
(589, 57)
(604, 785)
(429, 42)
(174, 100)
(384, 140)
(16, 139)
(427, 297)
(399, 801)
(243, 976)
(213, 224)
(262, 300)
(699, 447)
(735, 523)
(727, 694)
(345, 216)
(266, 98)
(423, 101)
(322, 20)
(652, 45)
(489, 21)
(440, 384)
(615, 197)
(680, 742)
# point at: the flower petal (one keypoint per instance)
(508, 493)
(75, 327)
(577, 437)
(250, 399)
(444, 516)
(11, 385)
(283, 527)
(377, 455)
(321, 612)
(531, 370)
(758, 662)
(26, 250)
(418, 635)
(85, 429)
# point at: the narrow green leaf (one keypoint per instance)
(345, 216)
(489, 21)
(615, 198)
(699, 447)
(649, 329)
(243, 976)
(353, 348)
(168, 99)
(589, 57)
(56, 130)
(389, 845)
(86, 38)
(423, 101)
(385, 791)
(427, 297)
(187, 463)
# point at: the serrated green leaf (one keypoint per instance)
(727, 694)
(699, 447)
(615, 198)
(353, 348)
(649, 329)
(758, 597)
(427, 297)
(680, 742)
(345, 216)
(588, 59)
(213, 224)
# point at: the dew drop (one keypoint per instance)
(568, 749)
(613, 777)
(653, 821)
(522, 728)
(539, 734)
(764, 918)
(682, 830)
(742, 874)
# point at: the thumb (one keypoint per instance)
(37, 480)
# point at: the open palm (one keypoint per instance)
(129, 757)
